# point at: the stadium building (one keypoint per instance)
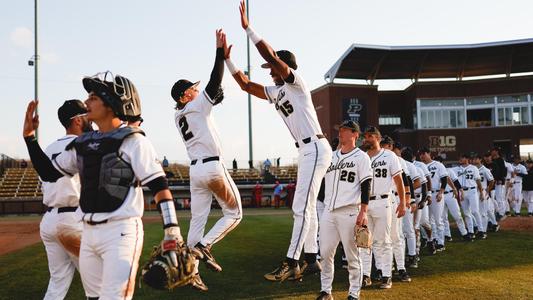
(460, 97)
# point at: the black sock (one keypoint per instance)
(310, 257)
(292, 262)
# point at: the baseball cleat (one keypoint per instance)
(448, 238)
(350, 297)
(324, 296)
(412, 262)
(467, 238)
(198, 284)
(310, 269)
(204, 254)
(284, 272)
(496, 228)
(404, 277)
(378, 276)
(481, 235)
(440, 248)
(366, 281)
(432, 248)
(386, 283)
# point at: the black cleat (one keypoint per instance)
(467, 238)
(204, 254)
(350, 297)
(310, 269)
(366, 281)
(404, 277)
(284, 272)
(378, 276)
(496, 228)
(448, 238)
(324, 296)
(412, 262)
(386, 283)
(432, 247)
(440, 248)
(481, 235)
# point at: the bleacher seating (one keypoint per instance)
(20, 183)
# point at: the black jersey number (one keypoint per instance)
(286, 108)
(347, 176)
(469, 176)
(184, 126)
(432, 174)
(380, 173)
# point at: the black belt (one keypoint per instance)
(395, 193)
(212, 158)
(469, 188)
(436, 191)
(92, 223)
(63, 209)
(308, 140)
(418, 195)
(384, 196)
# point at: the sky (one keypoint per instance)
(155, 43)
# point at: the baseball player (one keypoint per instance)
(386, 172)
(439, 181)
(527, 187)
(292, 99)
(113, 163)
(473, 194)
(510, 200)
(487, 183)
(346, 202)
(452, 197)
(519, 171)
(60, 228)
(208, 174)
(493, 204)
(499, 172)
(397, 233)
(422, 224)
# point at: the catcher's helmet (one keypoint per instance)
(119, 93)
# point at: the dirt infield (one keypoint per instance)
(517, 224)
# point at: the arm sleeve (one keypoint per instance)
(457, 184)
(443, 182)
(424, 193)
(157, 184)
(213, 85)
(411, 187)
(405, 179)
(365, 191)
(42, 164)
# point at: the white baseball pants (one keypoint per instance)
(435, 218)
(339, 225)
(109, 258)
(452, 206)
(517, 191)
(528, 197)
(379, 223)
(313, 160)
(398, 239)
(470, 205)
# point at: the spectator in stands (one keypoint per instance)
(278, 161)
(250, 164)
(257, 194)
(267, 164)
(291, 188)
(235, 164)
(23, 164)
(165, 162)
(278, 188)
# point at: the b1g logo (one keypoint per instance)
(442, 143)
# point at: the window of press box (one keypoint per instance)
(390, 120)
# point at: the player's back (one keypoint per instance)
(197, 128)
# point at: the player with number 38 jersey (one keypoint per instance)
(208, 174)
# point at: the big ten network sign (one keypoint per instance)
(442, 143)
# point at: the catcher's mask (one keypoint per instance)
(119, 93)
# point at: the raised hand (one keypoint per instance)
(244, 18)
(220, 38)
(227, 50)
(31, 120)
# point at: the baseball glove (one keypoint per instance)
(160, 273)
(363, 237)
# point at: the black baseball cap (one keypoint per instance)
(350, 125)
(529, 161)
(287, 57)
(387, 140)
(179, 88)
(397, 145)
(70, 109)
(372, 130)
(423, 150)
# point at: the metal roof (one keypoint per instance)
(371, 62)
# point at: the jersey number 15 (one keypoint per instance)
(286, 108)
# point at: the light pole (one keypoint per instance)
(250, 140)
(35, 62)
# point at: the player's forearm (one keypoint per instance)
(249, 86)
(398, 181)
(417, 183)
(42, 164)
(365, 191)
(428, 182)
(443, 183)
(217, 73)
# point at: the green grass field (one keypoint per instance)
(498, 268)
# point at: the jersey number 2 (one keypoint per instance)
(184, 126)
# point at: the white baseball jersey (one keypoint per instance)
(413, 171)
(453, 177)
(467, 175)
(422, 166)
(519, 169)
(385, 165)
(510, 170)
(344, 177)
(403, 164)
(66, 190)
(137, 151)
(486, 176)
(437, 171)
(293, 103)
(197, 128)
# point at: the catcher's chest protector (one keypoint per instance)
(105, 176)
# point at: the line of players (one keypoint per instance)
(406, 204)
